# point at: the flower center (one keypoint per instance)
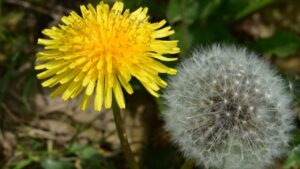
(118, 36)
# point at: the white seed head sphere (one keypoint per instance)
(228, 109)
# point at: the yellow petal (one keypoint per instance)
(118, 6)
(119, 95)
(69, 76)
(152, 92)
(90, 87)
(71, 90)
(125, 84)
(159, 24)
(92, 9)
(47, 73)
(163, 33)
(79, 77)
(108, 92)
(99, 93)
(51, 64)
(46, 41)
(159, 67)
(161, 57)
(85, 102)
(59, 90)
(76, 91)
(85, 13)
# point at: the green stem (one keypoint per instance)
(123, 138)
(188, 164)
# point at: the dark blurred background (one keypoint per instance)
(37, 132)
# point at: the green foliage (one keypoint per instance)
(253, 6)
(160, 157)
(293, 160)
(281, 44)
(207, 21)
(56, 164)
(8, 75)
(202, 22)
(23, 163)
(90, 157)
(176, 8)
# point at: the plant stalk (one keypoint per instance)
(123, 138)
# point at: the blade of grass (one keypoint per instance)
(8, 75)
(253, 7)
(26, 90)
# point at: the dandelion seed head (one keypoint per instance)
(241, 121)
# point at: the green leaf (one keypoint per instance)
(252, 7)
(27, 89)
(296, 139)
(157, 9)
(83, 151)
(4, 83)
(160, 157)
(174, 11)
(293, 160)
(177, 8)
(90, 157)
(208, 7)
(35, 144)
(88, 152)
(23, 163)
(56, 164)
(281, 44)
(231, 8)
(185, 38)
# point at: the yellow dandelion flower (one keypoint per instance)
(99, 52)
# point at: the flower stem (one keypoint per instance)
(188, 164)
(123, 138)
